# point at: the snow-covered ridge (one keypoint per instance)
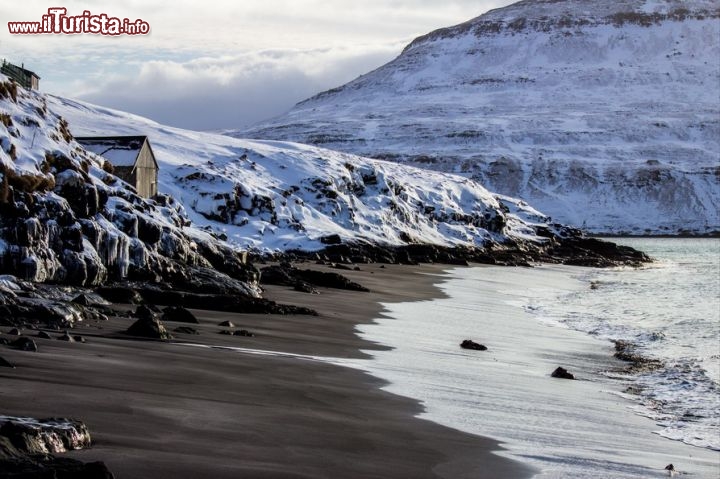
(549, 15)
(273, 196)
(602, 114)
(65, 219)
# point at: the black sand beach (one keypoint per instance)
(163, 409)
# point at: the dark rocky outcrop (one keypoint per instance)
(562, 245)
(562, 373)
(52, 468)
(145, 312)
(4, 363)
(43, 335)
(157, 294)
(150, 328)
(244, 333)
(120, 294)
(27, 447)
(179, 314)
(470, 344)
(286, 275)
(226, 324)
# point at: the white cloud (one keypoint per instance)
(232, 91)
(228, 63)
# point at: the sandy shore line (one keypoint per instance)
(167, 410)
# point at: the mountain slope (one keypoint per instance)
(64, 219)
(271, 196)
(602, 114)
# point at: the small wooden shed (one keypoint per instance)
(25, 78)
(132, 159)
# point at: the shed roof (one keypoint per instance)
(119, 150)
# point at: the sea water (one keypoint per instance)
(670, 311)
(609, 422)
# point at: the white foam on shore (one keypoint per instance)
(568, 429)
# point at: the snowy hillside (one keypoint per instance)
(603, 114)
(273, 196)
(65, 219)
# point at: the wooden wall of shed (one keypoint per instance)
(146, 173)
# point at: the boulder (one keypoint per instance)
(145, 312)
(304, 287)
(27, 445)
(14, 332)
(120, 294)
(149, 328)
(43, 335)
(24, 344)
(244, 332)
(562, 373)
(226, 324)
(470, 344)
(43, 436)
(179, 314)
(66, 337)
(5, 364)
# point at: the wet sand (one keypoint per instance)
(158, 409)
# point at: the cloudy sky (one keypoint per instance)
(225, 63)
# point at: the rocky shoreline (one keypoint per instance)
(47, 308)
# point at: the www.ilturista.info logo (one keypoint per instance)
(58, 22)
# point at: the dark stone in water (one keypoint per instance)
(149, 328)
(626, 351)
(14, 332)
(43, 335)
(226, 332)
(79, 339)
(669, 467)
(5, 364)
(470, 344)
(24, 344)
(244, 332)
(562, 373)
(227, 324)
(179, 314)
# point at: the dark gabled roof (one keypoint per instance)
(6, 64)
(121, 151)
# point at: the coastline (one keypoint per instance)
(507, 393)
(163, 408)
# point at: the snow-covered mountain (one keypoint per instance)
(272, 196)
(600, 113)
